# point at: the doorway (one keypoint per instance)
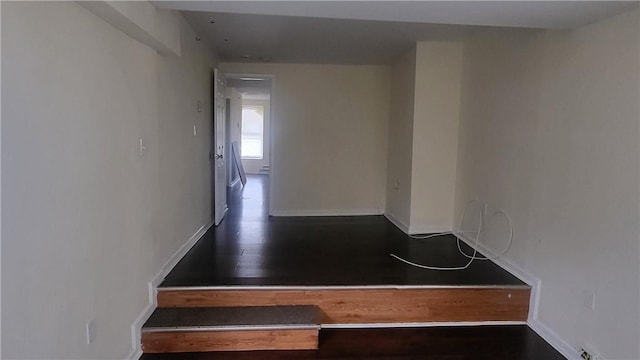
(251, 129)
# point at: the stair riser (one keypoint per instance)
(367, 306)
(239, 340)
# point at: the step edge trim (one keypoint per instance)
(230, 328)
(341, 287)
(423, 324)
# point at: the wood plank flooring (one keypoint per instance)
(235, 316)
(440, 343)
(251, 248)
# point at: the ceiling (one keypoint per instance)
(288, 39)
(366, 32)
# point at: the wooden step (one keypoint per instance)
(237, 328)
(371, 305)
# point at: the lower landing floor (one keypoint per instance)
(516, 342)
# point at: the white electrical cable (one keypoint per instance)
(476, 242)
(503, 251)
(439, 268)
(424, 237)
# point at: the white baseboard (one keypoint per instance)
(420, 229)
(135, 354)
(503, 262)
(399, 224)
(136, 327)
(534, 323)
(332, 212)
(428, 229)
(554, 339)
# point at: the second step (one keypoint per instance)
(232, 328)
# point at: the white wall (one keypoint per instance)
(549, 132)
(435, 136)
(423, 137)
(140, 20)
(400, 133)
(330, 137)
(252, 166)
(185, 169)
(87, 221)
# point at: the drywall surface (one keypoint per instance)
(140, 20)
(88, 221)
(549, 132)
(435, 135)
(253, 166)
(185, 171)
(329, 137)
(161, 24)
(399, 166)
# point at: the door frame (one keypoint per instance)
(216, 217)
(272, 124)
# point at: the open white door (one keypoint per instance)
(219, 191)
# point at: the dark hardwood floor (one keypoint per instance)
(434, 343)
(251, 248)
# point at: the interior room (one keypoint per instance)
(316, 180)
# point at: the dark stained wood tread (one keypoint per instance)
(436, 343)
(234, 318)
(250, 248)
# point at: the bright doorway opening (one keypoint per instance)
(250, 127)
